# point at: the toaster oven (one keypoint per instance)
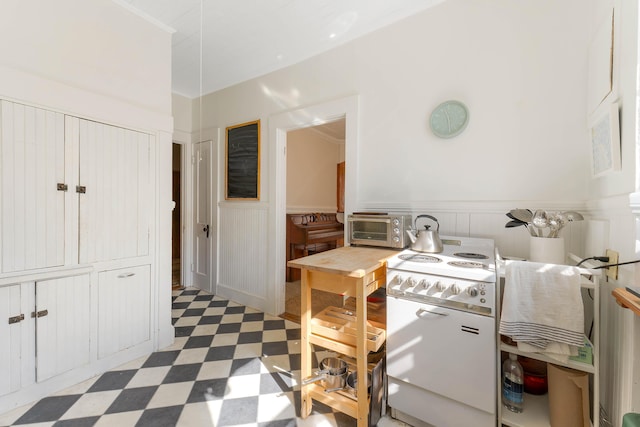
(386, 230)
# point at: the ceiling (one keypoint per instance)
(244, 39)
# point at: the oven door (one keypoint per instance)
(448, 352)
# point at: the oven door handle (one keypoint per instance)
(421, 311)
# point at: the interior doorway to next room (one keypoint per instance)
(314, 189)
(176, 220)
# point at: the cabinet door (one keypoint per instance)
(32, 163)
(17, 340)
(124, 309)
(62, 325)
(114, 210)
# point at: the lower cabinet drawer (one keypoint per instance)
(124, 309)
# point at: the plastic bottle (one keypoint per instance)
(512, 384)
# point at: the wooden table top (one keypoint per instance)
(353, 261)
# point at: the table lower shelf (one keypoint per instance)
(338, 400)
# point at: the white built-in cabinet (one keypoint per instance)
(17, 337)
(124, 308)
(71, 190)
(114, 205)
(32, 209)
(46, 331)
(62, 321)
(76, 211)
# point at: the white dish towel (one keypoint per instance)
(542, 307)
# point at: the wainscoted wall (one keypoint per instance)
(243, 253)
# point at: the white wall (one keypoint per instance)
(518, 67)
(92, 46)
(312, 171)
(182, 118)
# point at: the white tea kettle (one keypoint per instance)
(425, 240)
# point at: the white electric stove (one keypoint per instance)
(441, 348)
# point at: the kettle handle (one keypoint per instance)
(427, 216)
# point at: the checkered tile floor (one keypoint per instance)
(230, 365)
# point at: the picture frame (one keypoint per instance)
(242, 161)
(605, 141)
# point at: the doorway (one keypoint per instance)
(279, 124)
(176, 218)
(315, 191)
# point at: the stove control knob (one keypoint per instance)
(454, 289)
(422, 284)
(395, 281)
(472, 292)
(439, 286)
(410, 282)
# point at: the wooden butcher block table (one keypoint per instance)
(352, 272)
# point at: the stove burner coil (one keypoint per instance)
(466, 264)
(470, 255)
(419, 258)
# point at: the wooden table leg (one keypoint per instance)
(361, 358)
(306, 352)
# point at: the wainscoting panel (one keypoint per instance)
(243, 254)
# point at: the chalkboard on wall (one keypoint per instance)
(243, 161)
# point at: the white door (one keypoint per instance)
(115, 187)
(124, 309)
(32, 188)
(205, 230)
(62, 325)
(17, 341)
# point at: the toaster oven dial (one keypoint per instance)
(396, 222)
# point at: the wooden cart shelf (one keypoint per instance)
(340, 325)
(337, 400)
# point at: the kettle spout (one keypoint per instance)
(411, 235)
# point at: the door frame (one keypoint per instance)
(279, 125)
(186, 209)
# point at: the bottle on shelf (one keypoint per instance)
(512, 384)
